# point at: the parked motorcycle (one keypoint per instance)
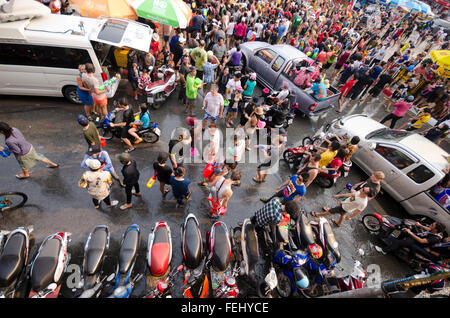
(223, 277)
(157, 92)
(129, 246)
(196, 283)
(296, 157)
(14, 260)
(49, 265)
(149, 135)
(250, 261)
(94, 254)
(355, 280)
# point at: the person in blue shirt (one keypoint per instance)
(142, 123)
(249, 85)
(180, 186)
(319, 90)
(95, 152)
(292, 190)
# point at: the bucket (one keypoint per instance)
(103, 142)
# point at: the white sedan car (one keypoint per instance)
(411, 163)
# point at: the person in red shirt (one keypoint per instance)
(344, 90)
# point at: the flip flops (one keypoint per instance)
(130, 150)
(21, 177)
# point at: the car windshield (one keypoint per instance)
(388, 134)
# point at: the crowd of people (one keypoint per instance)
(376, 59)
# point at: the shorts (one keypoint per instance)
(101, 102)
(231, 165)
(191, 102)
(238, 38)
(232, 110)
(338, 66)
(29, 160)
(134, 85)
(208, 116)
(166, 38)
(124, 132)
(375, 91)
(337, 210)
(263, 165)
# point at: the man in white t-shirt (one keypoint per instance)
(259, 27)
(213, 106)
(355, 203)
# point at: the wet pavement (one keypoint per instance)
(56, 203)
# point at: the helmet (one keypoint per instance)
(83, 120)
(315, 250)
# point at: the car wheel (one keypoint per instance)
(71, 94)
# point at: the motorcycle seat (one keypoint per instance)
(331, 242)
(160, 253)
(306, 231)
(192, 246)
(44, 267)
(252, 247)
(221, 250)
(12, 259)
(128, 250)
(154, 84)
(96, 250)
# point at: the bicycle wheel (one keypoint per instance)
(12, 200)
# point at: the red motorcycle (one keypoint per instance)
(295, 156)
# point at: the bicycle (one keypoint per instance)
(12, 200)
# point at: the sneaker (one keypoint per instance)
(114, 203)
(380, 250)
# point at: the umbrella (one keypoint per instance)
(175, 13)
(442, 59)
(415, 5)
(112, 8)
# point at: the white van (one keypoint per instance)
(40, 56)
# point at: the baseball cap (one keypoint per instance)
(94, 149)
(124, 158)
(191, 68)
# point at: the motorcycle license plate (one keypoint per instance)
(150, 100)
(290, 121)
(157, 131)
(396, 233)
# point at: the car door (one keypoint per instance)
(274, 72)
(261, 64)
(396, 163)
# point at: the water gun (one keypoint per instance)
(109, 82)
(151, 181)
(5, 152)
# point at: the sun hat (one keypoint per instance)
(93, 164)
(155, 37)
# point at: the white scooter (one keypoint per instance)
(157, 92)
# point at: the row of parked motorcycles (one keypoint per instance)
(228, 264)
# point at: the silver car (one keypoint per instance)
(411, 163)
(275, 64)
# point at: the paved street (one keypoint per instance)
(56, 203)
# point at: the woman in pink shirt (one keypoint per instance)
(400, 110)
(240, 30)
